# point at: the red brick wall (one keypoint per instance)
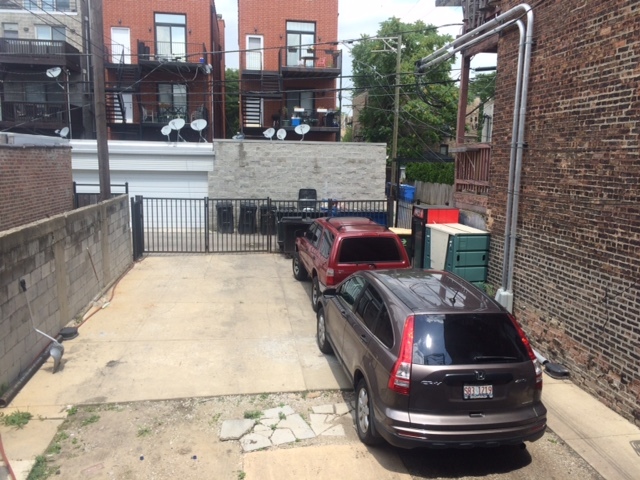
(270, 21)
(577, 271)
(35, 183)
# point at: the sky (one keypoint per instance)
(358, 17)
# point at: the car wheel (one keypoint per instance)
(321, 333)
(299, 273)
(315, 293)
(364, 415)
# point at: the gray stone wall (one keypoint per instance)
(277, 169)
(54, 257)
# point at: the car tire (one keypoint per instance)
(299, 273)
(321, 333)
(364, 415)
(315, 293)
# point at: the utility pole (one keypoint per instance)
(99, 98)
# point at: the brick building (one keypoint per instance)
(43, 72)
(576, 286)
(164, 61)
(289, 66)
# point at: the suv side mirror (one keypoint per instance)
(329, 292)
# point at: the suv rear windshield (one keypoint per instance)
(369, 249)
(463, 339)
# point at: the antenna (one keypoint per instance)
(63, 132)
(177, 124)
(302, 129)
(281, 134)
(166, 130)
(54, 72)
(269, 133)
(198, 125)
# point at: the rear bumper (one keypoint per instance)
(406, 435)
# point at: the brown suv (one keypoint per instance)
(434, 361)
(333, 248)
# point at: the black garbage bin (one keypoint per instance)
(224, 212)
(267, 220)
(247, 220)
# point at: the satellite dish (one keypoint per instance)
(198, 125)
(63, 132)
(166, 130)
(177, 124)
(302, 129)
(54, 72)
(281, 134)
(269, 133)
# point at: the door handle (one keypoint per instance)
(343, 313)
(364, 339)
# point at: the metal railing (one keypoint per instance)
(53, 113)
(92, 197)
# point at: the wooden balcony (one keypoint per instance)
(472, 176)
(43, 52)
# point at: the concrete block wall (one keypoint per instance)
(276, 169)
(35, 183)
(577, 280)
(52, 256)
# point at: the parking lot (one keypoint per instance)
(196, 328)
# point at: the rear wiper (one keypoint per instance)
(493, 358)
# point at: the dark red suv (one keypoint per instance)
(333, 248)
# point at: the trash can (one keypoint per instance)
(288, 227)
(247, 220)
(224, 212)
(267, 220)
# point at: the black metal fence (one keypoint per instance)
(178, 225)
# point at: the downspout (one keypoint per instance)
(504, 296)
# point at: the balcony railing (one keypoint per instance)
(316, 60)
(40, 6)
(472, 169)
(48, 52)
(51, 113)
(171, 52)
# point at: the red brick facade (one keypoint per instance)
(204, 38)
(577, 268)
(35, 183)
(313, 78)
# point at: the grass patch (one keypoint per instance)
(252, 414)
(282, 416)
(41, 469)
(16, 419)
(241, 475)
(144, 431)
(72, 411)
(90, 420)
(264, 396)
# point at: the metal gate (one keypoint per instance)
(217, 225)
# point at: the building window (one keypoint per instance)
(10, 30)
(301, 38)
(47, 32)
(30, 4)
(173, 101)
(254, 52)
(49, 5)
(300, 100)
(171, 36)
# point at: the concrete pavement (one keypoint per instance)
(191, 326)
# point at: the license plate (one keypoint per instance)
(474, 392)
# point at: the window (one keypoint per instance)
(47, 32)
(375, 316)
(369, 249)
(300, 99)
(171, 37)
(350, 290)
(254, 53)
(327, 243)
(173, 100)
(10, 30)
(301, 37)
(30, 4)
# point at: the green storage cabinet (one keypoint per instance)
(458, 248)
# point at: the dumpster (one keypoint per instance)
(267, 220)
(288, 229)
(247, 220)
(224, 211)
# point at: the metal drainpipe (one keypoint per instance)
(504, 295)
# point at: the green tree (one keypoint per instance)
(428, 102)
(232, 97)
(482, 86)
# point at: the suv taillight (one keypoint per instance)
(331, 277)
(400, 379)
(532, 355)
